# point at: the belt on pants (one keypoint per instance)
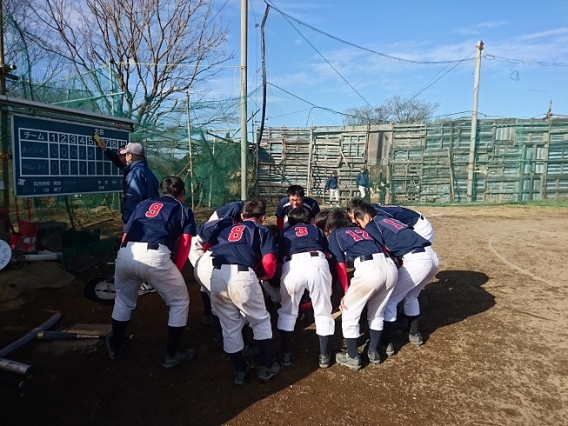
(366, 257)
(241, 268)
(313, 253)
(417, 250)
(149, 246)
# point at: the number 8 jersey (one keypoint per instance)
(244, 243)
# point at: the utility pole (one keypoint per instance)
(190, 147)
(244, 142)
(472, 142)
(4, 114)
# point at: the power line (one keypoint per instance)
(433, 82)
(486, 56)
(327, 62)
(308, 102)
(361, 47)
(524, 61)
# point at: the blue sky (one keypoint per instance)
(324, 57)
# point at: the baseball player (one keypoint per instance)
(145, 256)
(207, 233)
(232, 209)
(229, 210)
(294, 198)
(236, 294)
(303, 249)
(419, 265)
(373, 282)
(413, 219)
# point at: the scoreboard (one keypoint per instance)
(55, 157)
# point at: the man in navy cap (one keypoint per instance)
(139, 182)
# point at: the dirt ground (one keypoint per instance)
(496, 350)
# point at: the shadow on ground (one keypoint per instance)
(455, 296)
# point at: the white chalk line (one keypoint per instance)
(518, 268)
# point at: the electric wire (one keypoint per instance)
(329, 63)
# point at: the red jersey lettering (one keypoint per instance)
(236, 233)
(154, 209)
(358, 234)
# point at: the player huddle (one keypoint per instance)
(239, 262)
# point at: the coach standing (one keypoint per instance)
(139, 183)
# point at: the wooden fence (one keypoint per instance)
(515, 160)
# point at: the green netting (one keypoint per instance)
(212, 171)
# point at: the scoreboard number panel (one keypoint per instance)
(53, 157)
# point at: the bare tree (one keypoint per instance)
(394, 110)
(366, 115)
(153, 48)
(29, 52)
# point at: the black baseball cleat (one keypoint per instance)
(113, 353)
(241, 376)
(180, 357)
(285, 359)
(267, 373)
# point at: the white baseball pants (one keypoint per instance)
(302, 272)
(424, 228)
(236, 297)
(136, 264)
(372, 284)
(416, 271)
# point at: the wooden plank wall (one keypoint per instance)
(516, 160)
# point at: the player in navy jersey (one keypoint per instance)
(303, 249)
(208, 232)
(242, 251)
(145, 256)
(232, 209)
(372, 284)
(203, 265)
(419, 265)
(294, 198)
(413, 219)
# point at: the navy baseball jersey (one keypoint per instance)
(347, 244)
(301, 238)
(407, 216)
(232, 209)
(160, 220)
(396, 236)
(244, 243)
(284, 207)
(209, 231)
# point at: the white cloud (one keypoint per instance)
(477, 28)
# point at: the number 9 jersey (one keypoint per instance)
(160, 220)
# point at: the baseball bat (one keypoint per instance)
(14, 381)
(65, 335)
(16, 367)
